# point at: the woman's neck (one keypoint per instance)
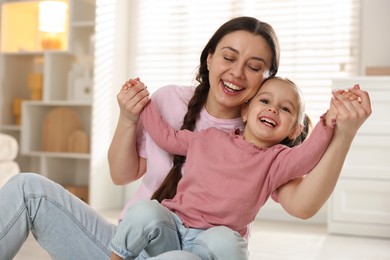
(222, 112)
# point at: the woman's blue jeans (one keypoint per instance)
(149, 226)
(63, 225)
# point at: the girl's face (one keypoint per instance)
(272, 115)
(237, 68)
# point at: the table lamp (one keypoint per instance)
(52, 22)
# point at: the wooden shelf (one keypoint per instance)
(22, 55)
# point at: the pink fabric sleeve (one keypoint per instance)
(301, 159)
(172, 140)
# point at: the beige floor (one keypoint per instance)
(283, 241)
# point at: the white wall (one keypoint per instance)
(375, 34)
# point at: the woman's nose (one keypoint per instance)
(237, 71)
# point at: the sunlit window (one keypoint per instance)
(319, 40)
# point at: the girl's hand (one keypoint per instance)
(331, 114)
(132, 98)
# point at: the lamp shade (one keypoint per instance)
(52, 16)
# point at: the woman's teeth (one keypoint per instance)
(231, 86)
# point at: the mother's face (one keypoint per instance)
(237, 68)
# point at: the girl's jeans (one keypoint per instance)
(63, 225)
(149, 226)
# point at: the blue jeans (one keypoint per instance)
(63, 225)
(151, 227)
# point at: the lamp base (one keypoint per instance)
(51, 41)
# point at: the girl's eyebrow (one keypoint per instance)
(236, 51)
(286, 100)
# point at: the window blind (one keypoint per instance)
(319, 40)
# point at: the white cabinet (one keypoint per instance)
(59, 73)
(360, 204)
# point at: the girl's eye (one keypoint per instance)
(286, 109)
(264, 101)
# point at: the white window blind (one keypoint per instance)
(319, 40)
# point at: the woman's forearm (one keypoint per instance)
(125, 163)
(304, 197)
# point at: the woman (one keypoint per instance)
(69, 229)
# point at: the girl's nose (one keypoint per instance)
(273, 109)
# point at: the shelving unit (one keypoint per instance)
(21, 55)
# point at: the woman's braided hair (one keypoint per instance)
(167, 189)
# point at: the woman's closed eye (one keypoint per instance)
(228, 58)
(256, 67)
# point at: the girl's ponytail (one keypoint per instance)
(307, 126)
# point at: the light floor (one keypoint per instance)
(282, 241)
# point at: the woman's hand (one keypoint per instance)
(353, 108)
(125, 163)
(132, 98)
(340, 101)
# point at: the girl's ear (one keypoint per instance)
(295, 132)
(244, 111)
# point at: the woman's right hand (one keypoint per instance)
(132, 98)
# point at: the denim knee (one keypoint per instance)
(145, 211)
(148, 226)
(26, 178)
(221, 243)
(30, 182)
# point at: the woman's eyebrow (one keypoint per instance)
(236, 51)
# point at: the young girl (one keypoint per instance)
(228, 176)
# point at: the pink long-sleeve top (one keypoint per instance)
(226, 179)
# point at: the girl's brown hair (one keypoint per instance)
(167, 189)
